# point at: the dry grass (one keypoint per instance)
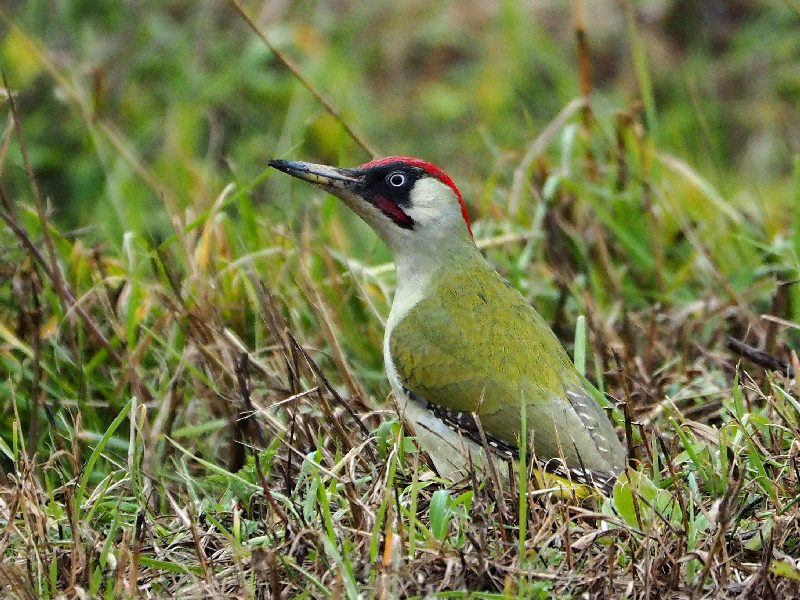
(339, 502)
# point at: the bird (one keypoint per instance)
(465, 354)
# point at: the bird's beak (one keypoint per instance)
(332, 179)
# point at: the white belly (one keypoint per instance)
(449, 451)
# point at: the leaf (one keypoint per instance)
(383, 435)
(785, 568)
(650, 500)
(440, 514)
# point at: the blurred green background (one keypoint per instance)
(199, 101)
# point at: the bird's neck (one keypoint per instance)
(421, 271)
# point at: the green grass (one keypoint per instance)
(140, 453)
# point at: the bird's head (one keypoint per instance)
(409, 202)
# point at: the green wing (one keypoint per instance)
(476, 345)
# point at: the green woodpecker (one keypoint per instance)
(460, 341)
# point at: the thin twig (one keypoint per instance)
(289, 64)
(318, 372)
(762, 359)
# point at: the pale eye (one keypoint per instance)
(396, 179)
